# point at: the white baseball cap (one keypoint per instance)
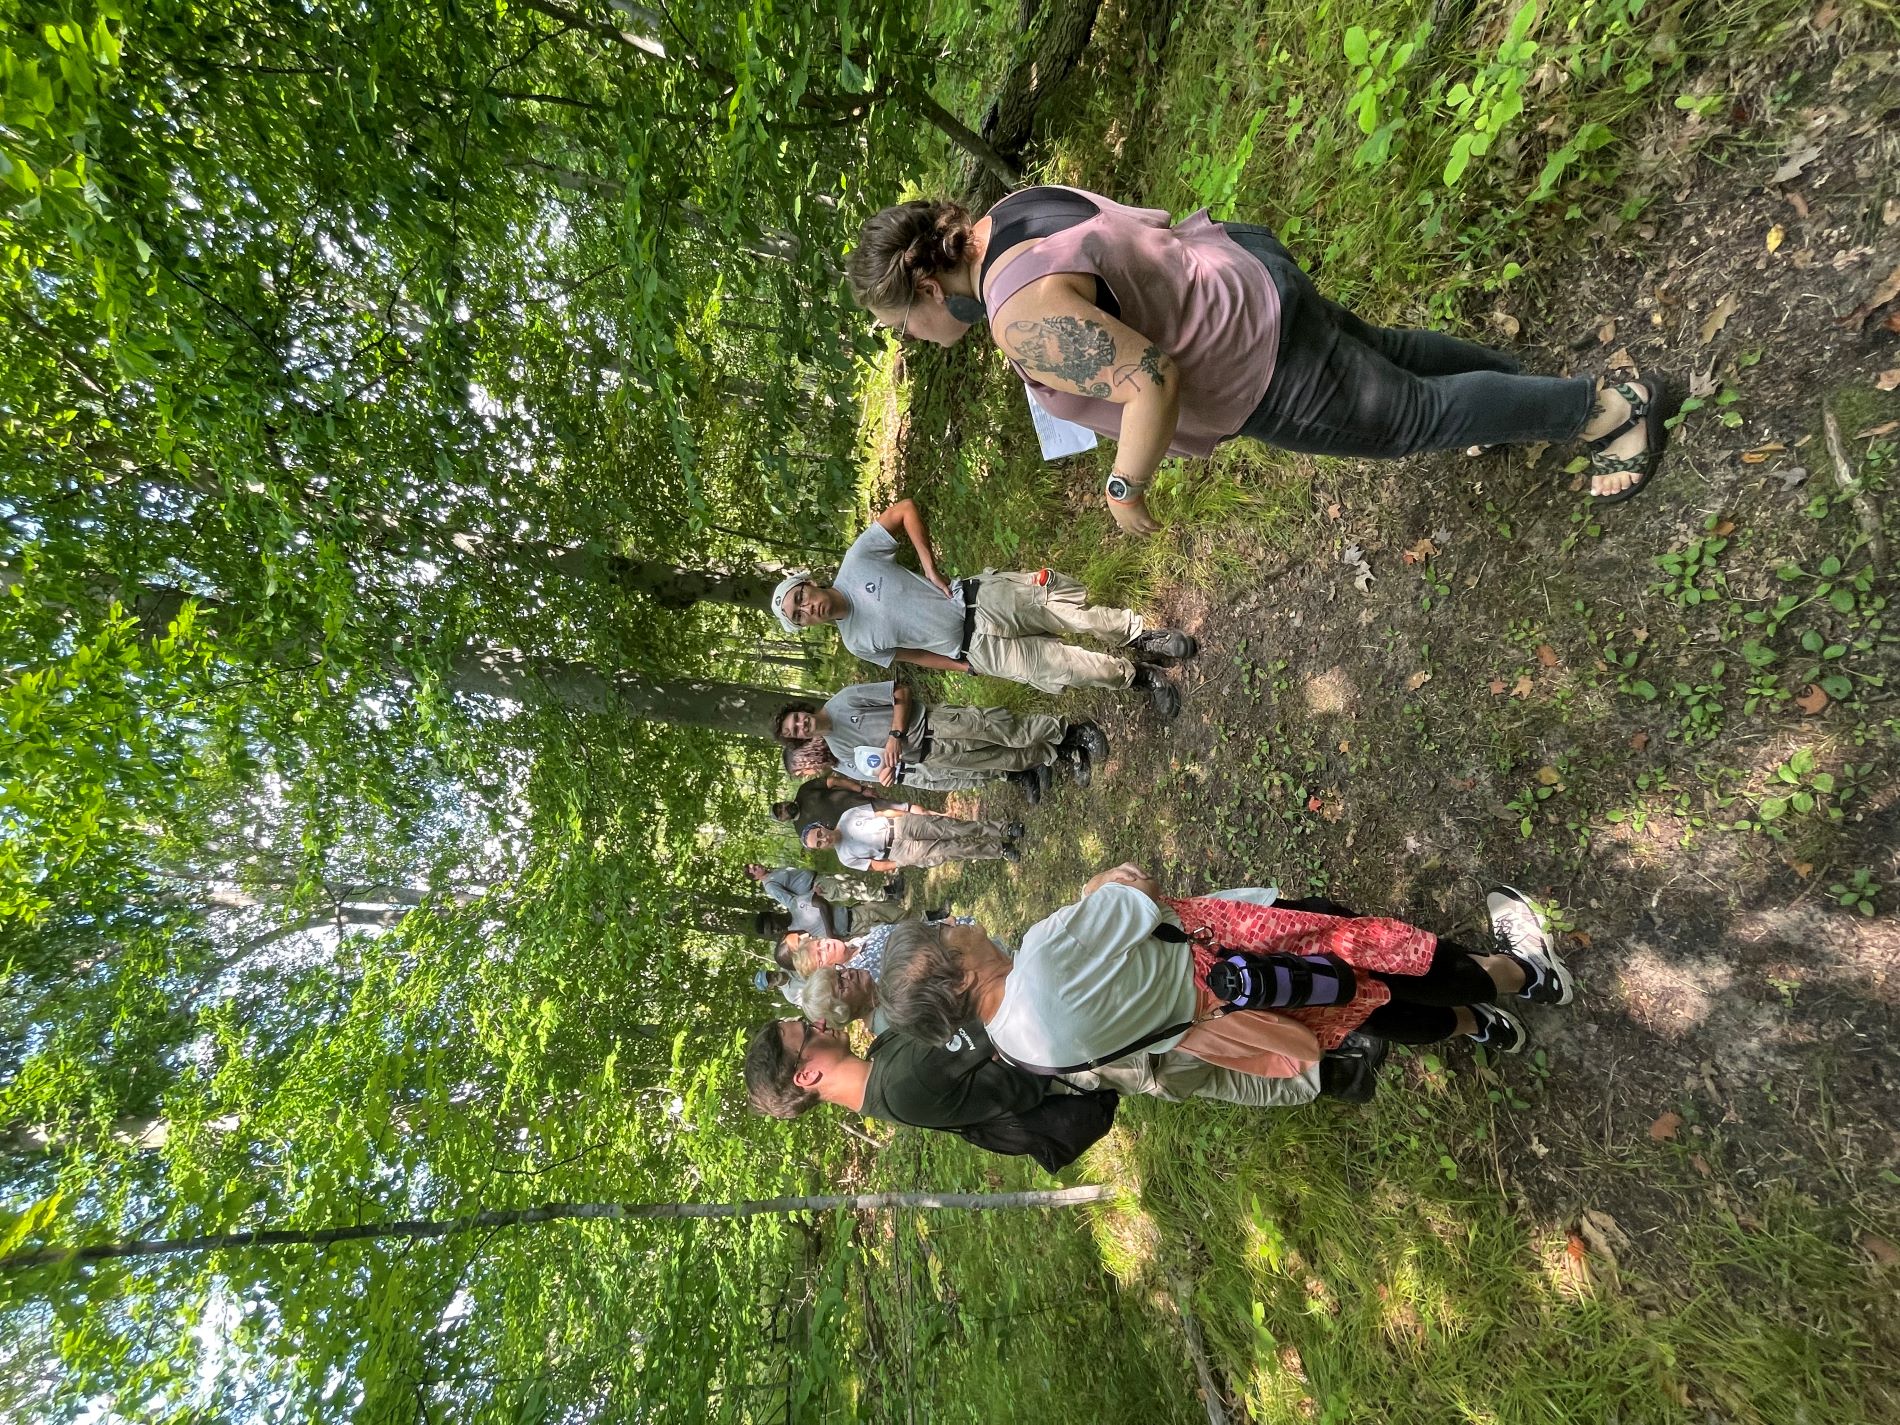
(785, 586)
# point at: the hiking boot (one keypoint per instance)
(1045, 779)
(1031, 787)
(1499, 1030)
(1163, 645)
(1519, 931)
(1077, 761)
(1013, 855)
(1013, 830)
(1350, 1078)
(1165, 697)
(894, 888)
(1089, 738)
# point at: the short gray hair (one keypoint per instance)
(924, 987)
(823, 999)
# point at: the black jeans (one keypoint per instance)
(1342, 386)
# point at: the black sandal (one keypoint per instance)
(1652, 412)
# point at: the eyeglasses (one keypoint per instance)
(903, 327)
(804, 1038)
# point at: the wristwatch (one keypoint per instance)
(1121, 491)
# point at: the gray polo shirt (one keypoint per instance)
(892, 608)
(861, 715)
(863, 837)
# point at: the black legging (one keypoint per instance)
(1422, 1007)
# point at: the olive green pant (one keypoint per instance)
(971, 747)
(1021, 621)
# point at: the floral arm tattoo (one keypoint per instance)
(1069, 348)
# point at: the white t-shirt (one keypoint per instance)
(1092, 979)
(892, 608)
(863, 837)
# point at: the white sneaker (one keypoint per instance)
(1519, 930)
(1499, 1030)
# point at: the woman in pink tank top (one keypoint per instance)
(1171, 338)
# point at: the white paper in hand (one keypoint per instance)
(1059, 437)
(869, 761)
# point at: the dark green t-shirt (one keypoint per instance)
(931, 1086)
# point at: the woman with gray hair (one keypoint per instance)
(835, 995)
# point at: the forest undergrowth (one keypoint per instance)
(1672, 723)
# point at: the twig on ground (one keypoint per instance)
(1865, 511)
(1211, 1394)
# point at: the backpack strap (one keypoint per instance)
(1046, 1071)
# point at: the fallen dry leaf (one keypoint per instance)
(1762, 452)
(1893, 322)
(1775, 235)
(1522, 687)
(1791, 166)
(1606, 333)
(1797, 202)
(1547, 655)
(1345, 745)
(1497, 686)
(1888, 289)
(1824, 16)
(1880, 1249)
(1888, 380)
(1718, 319)
(1665, 1127)
(1549, 776)
(1640, 633)
(1803, 869)
(1811, 699)
(1621, 360)
(1314, 803)
(1582, 937)
(1417, 681)
(1702, 384)
(1725, 528)
(1700, 1163)
(1505, 322)
(1890, 211)
(1874, 432)
(1604, 1234)
(1332, 512)
(1421, 551)
(1639, 742)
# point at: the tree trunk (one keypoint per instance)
(737, 708)
(421, 1229)
(668, 585)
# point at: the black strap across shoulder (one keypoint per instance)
(1035, 213)
(1047, 1071)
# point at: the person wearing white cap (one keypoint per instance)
(1000, 624)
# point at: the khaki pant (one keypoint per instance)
(933, 840)
(1021, 620)
(1176, 1076)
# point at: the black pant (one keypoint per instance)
(1422, 1007)
(1342, 386)
(1420, 1011)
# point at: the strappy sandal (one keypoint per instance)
(1651, 411)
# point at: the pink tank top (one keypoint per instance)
(1189, 288)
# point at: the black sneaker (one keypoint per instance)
(1520, 932)
(1165, 697)
(1163, 645)
(1499, 1030)
(1013, 830)
(1013, 855)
